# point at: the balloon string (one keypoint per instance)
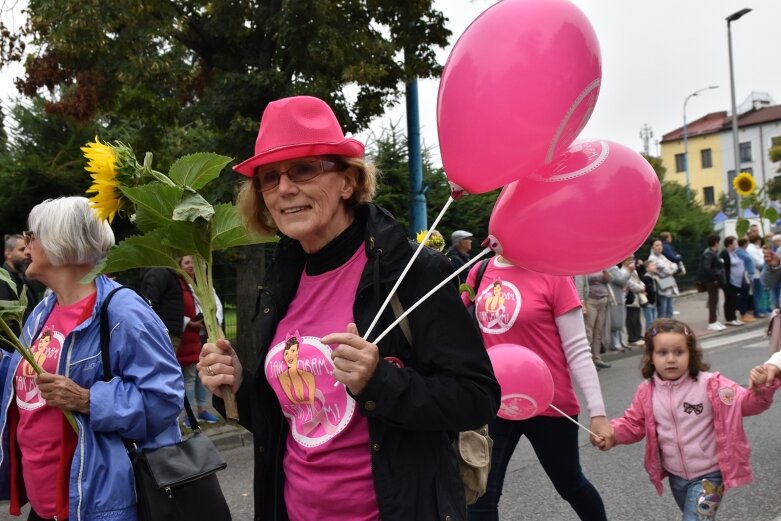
(431, 292)
(570, 418)
(408, 266)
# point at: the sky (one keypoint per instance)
(654, 54)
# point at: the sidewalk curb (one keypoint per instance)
(229, 436)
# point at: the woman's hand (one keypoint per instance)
(605, 436)
(354, 358)
(219, 365)
(62, 392)
(762, 375)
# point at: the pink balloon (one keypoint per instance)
(526, 381)
(517, 89)
(590, 209)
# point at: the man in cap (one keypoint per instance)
(458, 253)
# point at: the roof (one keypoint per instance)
(719, 121)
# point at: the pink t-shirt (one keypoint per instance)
(38, 433)
(518, 306)
(327, 461)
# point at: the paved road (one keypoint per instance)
(619, 474)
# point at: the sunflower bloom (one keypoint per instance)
(102, 165)
(744, 184)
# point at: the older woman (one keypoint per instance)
(86, 474)
(376, 441)
(666, 286)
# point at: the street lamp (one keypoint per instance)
(731, 18)
(686, 134)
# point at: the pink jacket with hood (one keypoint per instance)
(730, 403)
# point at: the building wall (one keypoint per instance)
(761, 139)
(699, 178)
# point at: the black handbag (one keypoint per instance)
(177, 482)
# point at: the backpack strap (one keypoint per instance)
(398, 310)
(480, 273)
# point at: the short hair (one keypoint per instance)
(665, 236)
(257, 217)
(776, 237)
(742, 242)
(70, 231)
(713, 239)
(728, 240)
(11, 239)
(669, 325)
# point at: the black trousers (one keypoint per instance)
(634, 327)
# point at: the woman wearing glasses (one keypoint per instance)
(375, 439)
(84, 474)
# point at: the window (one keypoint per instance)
(707, 158)
(708, 197)
(680, 163)
(745, 152)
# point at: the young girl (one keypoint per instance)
(693, 421)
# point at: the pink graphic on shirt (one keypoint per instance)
(301, 367)
(497, 307)
(46, 352)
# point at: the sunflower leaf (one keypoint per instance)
(193, 206)
(741, 227)
(771, 214)
(6, 277)
(154, 203)
(228, 230)
(197, 170)
(187, 237)
(141, 251)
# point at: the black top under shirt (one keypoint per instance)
(339, 250)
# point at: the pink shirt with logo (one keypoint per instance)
(327, 462)
(517, 306)
(38, 432)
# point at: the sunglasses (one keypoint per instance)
(268, 179)
(29, 237)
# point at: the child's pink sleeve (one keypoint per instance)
(630, 428)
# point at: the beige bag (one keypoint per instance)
(774, 332)
(643, 298)
(473, 449)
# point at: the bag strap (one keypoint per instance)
(105, 338)
(480, 273)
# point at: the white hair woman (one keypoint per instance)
(86, 474)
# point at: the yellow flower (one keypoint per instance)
(102, 165)
(744, 184)
(435, 240)
(420, 236)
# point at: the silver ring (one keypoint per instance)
(211, 373)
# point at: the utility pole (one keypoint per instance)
(417, 193)
(646, 134)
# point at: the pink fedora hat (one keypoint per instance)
(299, 126)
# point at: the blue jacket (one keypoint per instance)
(142, 402)
(748, 262)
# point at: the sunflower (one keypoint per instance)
(744, 184)
(110, 166)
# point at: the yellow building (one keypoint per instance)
(706, 172)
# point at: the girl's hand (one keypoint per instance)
(218, 365)
(605, 436)
(355, 359)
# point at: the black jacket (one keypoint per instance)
(446, 385)
(161, 286)
(7, 294)
(712, 267)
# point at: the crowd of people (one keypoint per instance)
(348, 425)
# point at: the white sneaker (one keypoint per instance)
(735, 322)
(721, 326)
(715, 326)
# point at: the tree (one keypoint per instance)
(681, 214)
(775, 152)
(197, 74)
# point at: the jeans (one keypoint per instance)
(688, 492)
(664, 306)
(555, 441)
(193, 388)
(649, 311)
